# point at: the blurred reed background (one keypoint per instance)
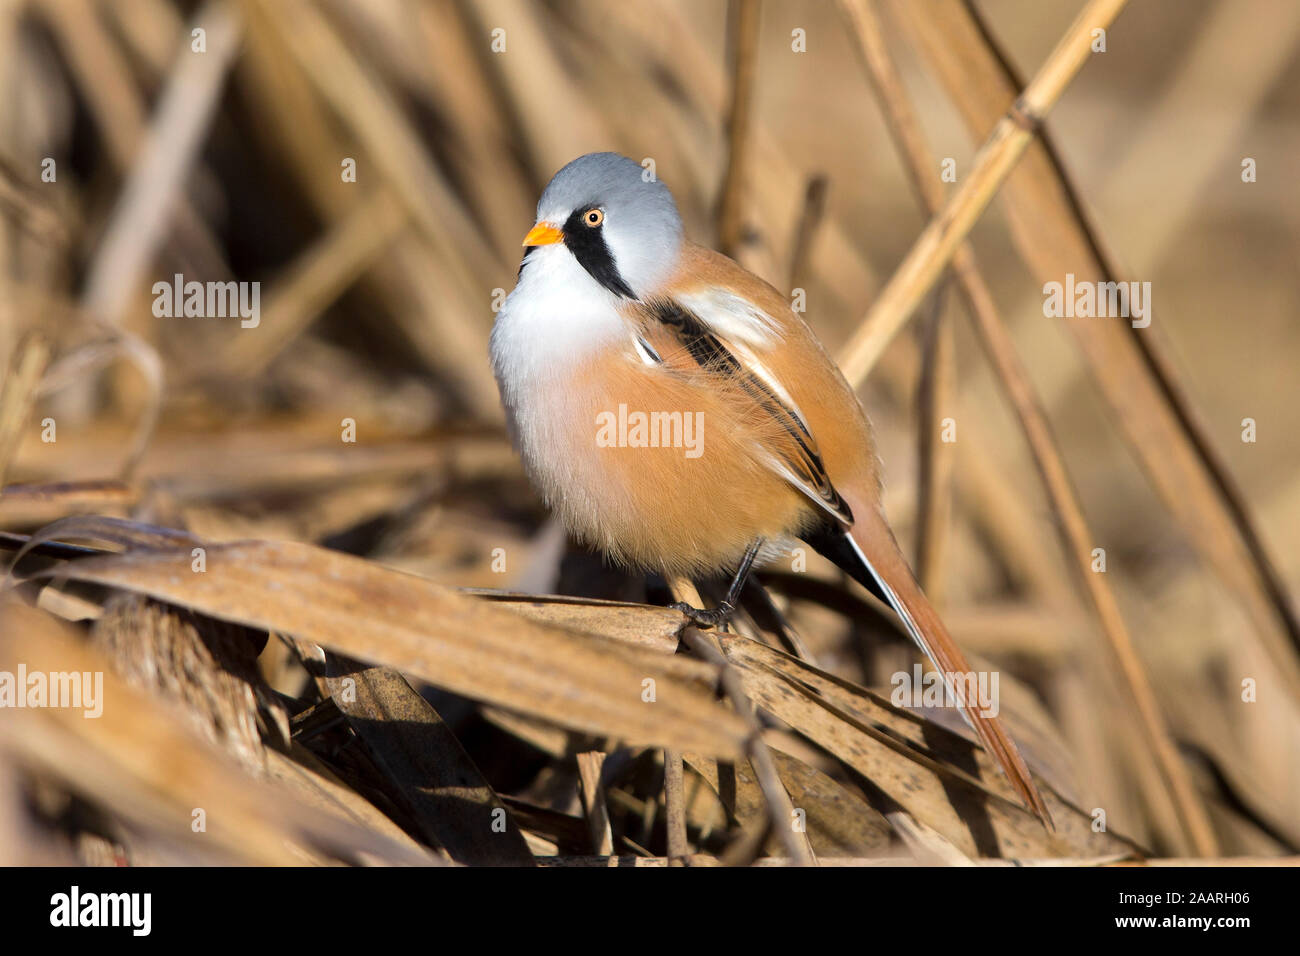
(1163, 691)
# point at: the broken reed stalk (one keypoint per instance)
(934, 248)
(810, 218)
(594, 807)
(1000, 348)
(744, 20)
(779, 808)
(675, 807)
(674, 770)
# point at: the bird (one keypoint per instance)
(679, 416)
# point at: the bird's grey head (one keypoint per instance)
(617, 220)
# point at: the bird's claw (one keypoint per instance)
(705, 617)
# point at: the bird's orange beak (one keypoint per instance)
(543, 234)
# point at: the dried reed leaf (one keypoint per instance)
(208, 667)
(940, 778)
(929, 848)
(431, 773)
(838, 821)
(434, 633)
(316, 788)
(47, 502)
(654, 628)
(140, 762)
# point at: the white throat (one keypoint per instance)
(555, 317)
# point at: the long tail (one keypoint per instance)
(869, 553)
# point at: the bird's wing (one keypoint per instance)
(715, 334)
(720, 325)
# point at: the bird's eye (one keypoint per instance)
(593, 217)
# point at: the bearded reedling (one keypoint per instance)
(615, 310)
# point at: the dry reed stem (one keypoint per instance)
(1077, 538)
(141, 216)
(937, 458)
(679, 849)
(777, 800)
(744, 36)
(934, 248)
(551, 111)
(674, 772)
(428, 307)
(18, 395)
(452, 238)
(351, 88)
(101, 73)
(480, 137)
(810, 218)
(316, 278)
(21, 200)
(106, 79)
(71, 369)
(594, 804)
(987, 491)
(927, 846)
(1054, 236)
(779, 808)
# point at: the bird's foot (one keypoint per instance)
(706, 617)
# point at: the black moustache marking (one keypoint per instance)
(588, 246)
(528, 251)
